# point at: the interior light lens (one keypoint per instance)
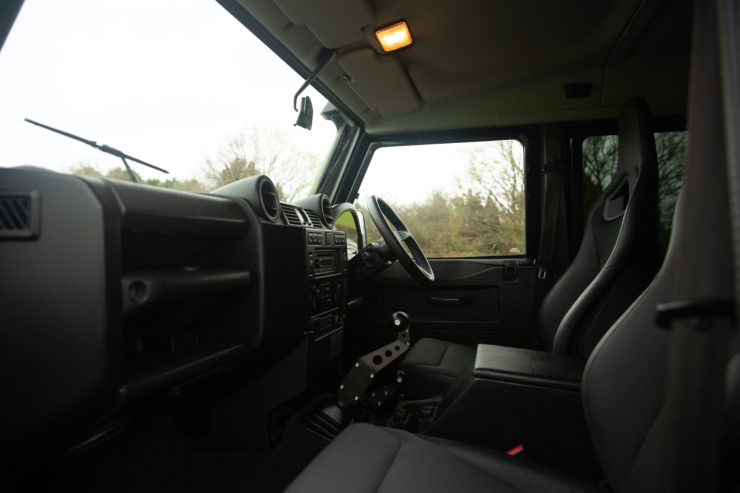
(394, 37)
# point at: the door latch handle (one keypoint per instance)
(455, 300)
(511, 270)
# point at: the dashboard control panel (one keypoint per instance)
(326, 269)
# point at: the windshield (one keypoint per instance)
(181, 85)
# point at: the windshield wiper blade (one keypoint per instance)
(104, 148)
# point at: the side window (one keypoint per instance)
(600, 164)
(457, 199)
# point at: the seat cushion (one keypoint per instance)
(367, 458)
(432, 367)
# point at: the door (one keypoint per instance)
(466, 204)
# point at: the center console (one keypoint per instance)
(326, 274)
(326, 269)
(522, 397)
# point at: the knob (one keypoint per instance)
(400, 321)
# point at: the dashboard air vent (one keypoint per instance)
(269, 199)
(315, 220)
(327, 211)
(291, 215)
(19, 215)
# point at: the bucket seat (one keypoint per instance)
(617, 259)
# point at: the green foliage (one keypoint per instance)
(346, 222)
(483, 217)
(86, 169)
(253, 152)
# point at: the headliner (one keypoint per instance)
(486, 63)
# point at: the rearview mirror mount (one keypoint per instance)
(305, 114)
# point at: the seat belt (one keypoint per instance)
(552, 177)
(702, 317)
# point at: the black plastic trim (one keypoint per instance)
(147, 288)
(666, 313)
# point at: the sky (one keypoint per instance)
(417, 171)
(168, 82)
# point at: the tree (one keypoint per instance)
(263, 151)
(253, 152)
(495, 196)
(123, 174)
(483, 216)
(600, 159)
(87, 169)
(671, 150)
(600, 155)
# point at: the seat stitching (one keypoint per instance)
(651, 423)
(596, 355)
(390, 464)
(436, 370)
(454, 453)
(447, 348)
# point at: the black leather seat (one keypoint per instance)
(622, 394)
(617, 259)
(366, 458)
(623, 397)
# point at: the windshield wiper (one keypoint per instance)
(105, 148)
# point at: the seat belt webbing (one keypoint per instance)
(552, 177)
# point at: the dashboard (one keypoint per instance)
(115, 291)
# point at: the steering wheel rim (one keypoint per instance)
(384, 216)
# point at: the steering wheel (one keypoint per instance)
(415, 264)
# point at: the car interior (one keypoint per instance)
(567, 325)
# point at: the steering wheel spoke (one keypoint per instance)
(402, 235)
(415, 262)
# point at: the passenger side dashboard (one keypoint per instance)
(126, 290)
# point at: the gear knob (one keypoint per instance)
(400, 321)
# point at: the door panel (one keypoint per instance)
(471, 301)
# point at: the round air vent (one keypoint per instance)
(326, 211)
(269, 199)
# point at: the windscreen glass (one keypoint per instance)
(181, 85)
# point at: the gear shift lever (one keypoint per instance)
(340, 412)
(400, 321)
(367, 367)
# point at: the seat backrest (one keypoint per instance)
(619, 254)
(625, 379)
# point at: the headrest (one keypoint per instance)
(636, 141)
(637, 158)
